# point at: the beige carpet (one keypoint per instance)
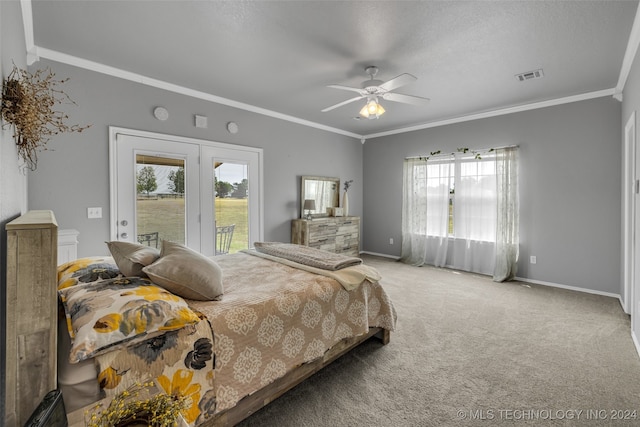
(468, 351)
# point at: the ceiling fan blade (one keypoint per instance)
(352, 89)
(342, 103)
(407, 99)
(396, 82)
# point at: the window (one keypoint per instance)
(469, 184)
(461, 210)
(475, 203)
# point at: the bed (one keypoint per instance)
(283, 313)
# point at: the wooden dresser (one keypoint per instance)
(333, 234)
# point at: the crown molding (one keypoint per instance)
(498, 112)
(139, 78)
(27, 24)
(629, 55)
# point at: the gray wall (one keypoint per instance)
(12, 181)
(74, 174)
(570, 202)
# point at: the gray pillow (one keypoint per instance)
(186, 273)
(132, 257)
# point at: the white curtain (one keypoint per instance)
(507, 240)
(425, 210)
(474, 213)
(482, 236)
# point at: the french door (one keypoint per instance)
(230, 182)
(184, 190)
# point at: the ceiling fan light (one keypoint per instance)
(372, 110)
(372, 107)
(364, 112)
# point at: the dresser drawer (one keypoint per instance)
(347, 243)
(322, 239)
(349, 252)
(346, 239)
(348, 229)
(322, 229)
(348, 225)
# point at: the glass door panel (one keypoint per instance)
(157, 193)
(160, 199)
(231, 194)
(231, 207)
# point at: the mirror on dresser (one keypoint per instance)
(324, 191)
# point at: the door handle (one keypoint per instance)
(124, 235)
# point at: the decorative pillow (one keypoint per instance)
(185, 272)
(86, 270)
(132, 257)
(111, 313)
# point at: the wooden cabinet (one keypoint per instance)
(31, 313)
(333, 234)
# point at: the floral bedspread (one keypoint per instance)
(271, 319)
(181, 363)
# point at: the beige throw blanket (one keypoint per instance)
(349, 277)
(306, 255)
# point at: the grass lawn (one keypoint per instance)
(167, 217)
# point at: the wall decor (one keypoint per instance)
(345, 198)
(28, 104)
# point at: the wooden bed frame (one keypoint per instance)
(32, 262)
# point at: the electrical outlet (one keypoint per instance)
(93, 213)
(391, 240)
(532, 259)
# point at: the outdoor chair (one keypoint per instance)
(148, 238)
(224, 234)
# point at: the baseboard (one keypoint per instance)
(571, 288)
(380, 255)
(623, 305)
(635, 342)
(537, 282)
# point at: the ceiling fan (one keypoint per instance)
(373, 90)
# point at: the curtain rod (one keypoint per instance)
(481, 150)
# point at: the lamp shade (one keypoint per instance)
(372, 109)
(310, 204)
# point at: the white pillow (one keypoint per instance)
(186, 273)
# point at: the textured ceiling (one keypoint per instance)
(281, 55)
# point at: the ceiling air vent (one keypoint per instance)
(530, 75)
